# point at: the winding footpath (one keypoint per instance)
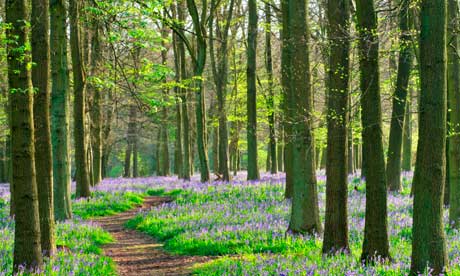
(138, 254)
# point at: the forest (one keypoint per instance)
(229, 137)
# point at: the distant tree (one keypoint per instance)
(199, 62)
(273, 167)
(79, 83)
(253, 170)
(27, 247)
(219, 65)
(376, 226)
(393, 172)
(428, 240)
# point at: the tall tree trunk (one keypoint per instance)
(27, 248)
(253, 170)
(79, 82)
(186, 166)
(164, 141)
(351, 163)
(296, 83)
(199, 64)
(271, 96)
(178, 148)
(220, 73)
(135, 158)
(40, 22)
(453, 93)
(96, 108)
(131, 141)
(399, 100)
(376, 225)
(127, 165)
(407, 138)
(428, 240)
(336, 223)
(60, 111)
(280, 146)
(106, 130)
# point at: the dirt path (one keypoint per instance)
(138, 254)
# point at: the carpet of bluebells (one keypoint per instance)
(245, 222)
(242, 223)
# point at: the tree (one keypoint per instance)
(219, 66)
(253, 170)
(199, 62)
(375, 229)
(399, 100)
(407, 138)
(299, 105)
(96, 107)
(453, 94)
(428, 241)
(60, 117)
(43, 156)
(186, 146)
(271, 97)
(79, 82)
(336, 226)
(27, 247)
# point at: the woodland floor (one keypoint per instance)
(138, 254)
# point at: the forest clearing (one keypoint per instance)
(229, 137)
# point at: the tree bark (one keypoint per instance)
(453, 92)
(428, 242)
(271, 96)
(220, 73)
(336, 223)
(253, 170)
(43, 157)
(96, 108)
(60, 111)
(376, 225)
(296, 83)
(407, 138)
(186, 146)
(399, 100)
(79, 82)
(27, 248)
(199, 64)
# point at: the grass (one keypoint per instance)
(106, 204)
